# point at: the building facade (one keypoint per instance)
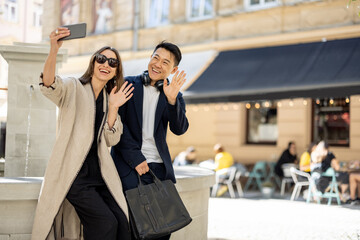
(251, 130)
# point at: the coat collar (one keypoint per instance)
(159, 109)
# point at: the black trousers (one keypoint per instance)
(99, 213)
(131, 181)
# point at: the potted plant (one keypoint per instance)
(267, 189)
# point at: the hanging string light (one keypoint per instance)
(331, 101)
(304, 102)
(248, 105)
(291, 103)
(257, 105)
(235, 106)
(347, 100)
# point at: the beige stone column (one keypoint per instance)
(31, 118)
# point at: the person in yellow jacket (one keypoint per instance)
(222, 159)
(305, 159)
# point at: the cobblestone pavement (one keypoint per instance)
(252, 218)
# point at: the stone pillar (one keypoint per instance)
(193, 184)
(31, 118)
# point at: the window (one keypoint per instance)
(11, 11)
(260, 4)
(157, 12)
(332, 121)
(37, 15)
(200, 9)
(262, 122)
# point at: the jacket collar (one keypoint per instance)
(159, 109)
(138, 100)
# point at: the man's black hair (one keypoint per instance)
(171, 48)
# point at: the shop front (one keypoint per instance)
(254, 101)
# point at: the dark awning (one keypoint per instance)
(321, 69)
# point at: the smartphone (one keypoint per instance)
(77, 30)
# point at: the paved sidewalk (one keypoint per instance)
(252, 218)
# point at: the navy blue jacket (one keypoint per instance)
(127, 153)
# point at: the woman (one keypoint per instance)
(305, 159)
(288, 156)
(81, 183)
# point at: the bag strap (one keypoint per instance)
(156, 180)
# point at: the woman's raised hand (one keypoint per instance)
(55, 35)
(50, 63)
(117, 99)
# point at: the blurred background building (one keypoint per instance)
(260, 72)
(20, 21)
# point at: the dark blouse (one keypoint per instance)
(90, 171)
(326, 163)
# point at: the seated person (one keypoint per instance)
(288, 156)
(324, 159)
(222, 159)
(354, 182)
(187, 157)
(305, 159)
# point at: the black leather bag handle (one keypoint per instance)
(157, 182)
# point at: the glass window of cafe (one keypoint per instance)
(331, 121)
(262, 122)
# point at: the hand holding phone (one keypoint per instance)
(76, 31)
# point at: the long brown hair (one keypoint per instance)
(117, 80)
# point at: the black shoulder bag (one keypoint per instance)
(156, 209)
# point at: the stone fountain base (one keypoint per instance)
(18, 200)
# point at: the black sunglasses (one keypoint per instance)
(99, 58)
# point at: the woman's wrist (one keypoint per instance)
(113, 107)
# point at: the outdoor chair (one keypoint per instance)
(333, 189)
(300, 179)
(240, 171)
(287, 179)
(257, 175)
(272, 177)
(225, 176)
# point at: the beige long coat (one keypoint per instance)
(55, 217)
